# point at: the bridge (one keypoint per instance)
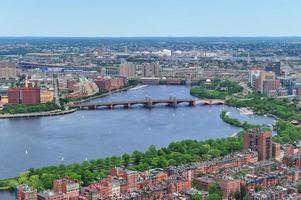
(147, 103)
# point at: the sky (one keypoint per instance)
(130, 18)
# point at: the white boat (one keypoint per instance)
(138, 87)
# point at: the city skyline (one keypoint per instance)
(150, 18)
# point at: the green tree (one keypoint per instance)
(35, 182)
(197, 197)
(213, 197)
(23, 177)
(126, 159)
(299, 186)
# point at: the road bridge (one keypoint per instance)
(147, 103)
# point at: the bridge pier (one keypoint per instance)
(92, 107)
(148, 102)
(128, 105)
(192, 103)
(111, 106)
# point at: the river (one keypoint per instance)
(37, 142)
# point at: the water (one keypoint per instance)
(37, 142)
(5, 195)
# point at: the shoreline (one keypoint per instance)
(105, 94)
(37, 114)
(60, 112)
(234, 135)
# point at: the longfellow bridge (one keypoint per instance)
(147, 103)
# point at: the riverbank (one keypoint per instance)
(235, 122)
(174, 154)
(64, 135)
(58, 111)
(282, 111)
(105, 94)
(37, 114)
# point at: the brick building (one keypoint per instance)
(67, 186)
(25, 192)
(30, 95)
(260, 141)
(229, 186)
(50, 195)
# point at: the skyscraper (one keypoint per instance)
(274, 67)
(260, 141)
(264, 76)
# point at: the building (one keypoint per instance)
(274, 67)
(150, 80)
(46, 96)
(269, 85)
(107, 84)
(68, 187)
(151, 69)
(229, 186)
(24, 95)
(51, 195)
(127, 70)
(7, 71)
(103, 84)
(254, 74)
(24, 192)
(276, 151)
(298, 92)
(260, 141)
(264, 76)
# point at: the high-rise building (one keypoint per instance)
(7, 71)
(25, 192)
(274, 67)
(151, 69)
(24, 95)
(264, 76)
(254, 74)
(260, 141)
(127, 70)
(270, 85)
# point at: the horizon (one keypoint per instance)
(116, 37)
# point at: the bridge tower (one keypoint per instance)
(173, 101)
(148, 102)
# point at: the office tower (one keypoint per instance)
(274, 67)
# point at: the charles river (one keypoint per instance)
(38, 142)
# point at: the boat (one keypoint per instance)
(138, 87)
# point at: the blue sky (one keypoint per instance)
(150, 18)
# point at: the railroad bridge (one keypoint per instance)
(147, 102)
